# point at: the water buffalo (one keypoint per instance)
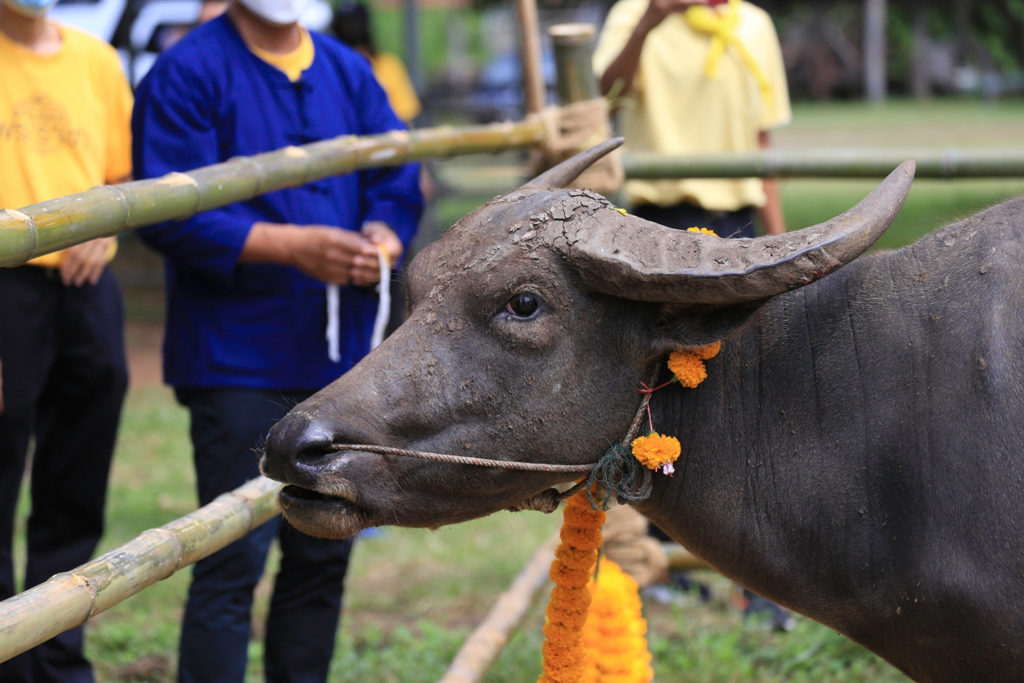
(855, 453)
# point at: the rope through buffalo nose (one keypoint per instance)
(467, 460)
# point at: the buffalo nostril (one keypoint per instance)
(298, 440)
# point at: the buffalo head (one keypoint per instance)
(532, 323)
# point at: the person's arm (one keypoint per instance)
(619, 74)
(771, 213)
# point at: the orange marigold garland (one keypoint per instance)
(570, 598)
(594, 630)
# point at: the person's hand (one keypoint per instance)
(329, 254)
(366, 265)
(84, 263)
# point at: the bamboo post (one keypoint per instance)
(484, 645)
(830, 163)
(69, 599)
(573, 46)
(111, 209)
(533, 78)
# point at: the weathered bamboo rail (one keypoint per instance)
(69, 599)
(112, 209)
(830, 163)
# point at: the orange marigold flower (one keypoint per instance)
(687, 367)
(706, 351)
(656, 451)
(566, 576)
(572, 556)
(580, 514)
(706, 231)
(571, 595)
(587, 539)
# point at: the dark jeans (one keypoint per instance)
(739, 223)
(64, 380)
(228, 427)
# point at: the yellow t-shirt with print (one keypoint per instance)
(676, 108)
(64, 121)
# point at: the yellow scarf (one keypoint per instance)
(722, 28)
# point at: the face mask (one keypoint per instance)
(30, 8)
(282, 12)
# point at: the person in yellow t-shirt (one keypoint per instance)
(64, 127)
(692, 77)
(351, 25)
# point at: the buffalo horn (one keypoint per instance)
(636, 259)
(563, 173)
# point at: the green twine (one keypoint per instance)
(621, 475)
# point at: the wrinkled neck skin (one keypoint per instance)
(856, 473)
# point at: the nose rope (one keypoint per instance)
(467, 460)
(545, 501)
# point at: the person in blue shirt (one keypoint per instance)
(268, 300)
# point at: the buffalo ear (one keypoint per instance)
(682, 325)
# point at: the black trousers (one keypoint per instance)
(64, 380)
(739, 223)
(228, 427)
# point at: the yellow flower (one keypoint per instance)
(657, 451)
(614, 635)
(705, 231)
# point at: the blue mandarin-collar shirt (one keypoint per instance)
(232, 324)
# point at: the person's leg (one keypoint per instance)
(227, 425)
(79, 412)
(27, 348)
(305, 607)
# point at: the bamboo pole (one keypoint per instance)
(830, 163)
(573, 46)
(110, 209)
(533, 79)
(484, 645)
(69, 599)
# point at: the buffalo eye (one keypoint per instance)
(522, 305)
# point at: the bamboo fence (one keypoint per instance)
(830, 163)
(111, 209)
(69, 599)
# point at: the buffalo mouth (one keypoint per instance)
(320, 514)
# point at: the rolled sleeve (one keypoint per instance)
(172, 131)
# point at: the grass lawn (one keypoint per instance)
(413, 595)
